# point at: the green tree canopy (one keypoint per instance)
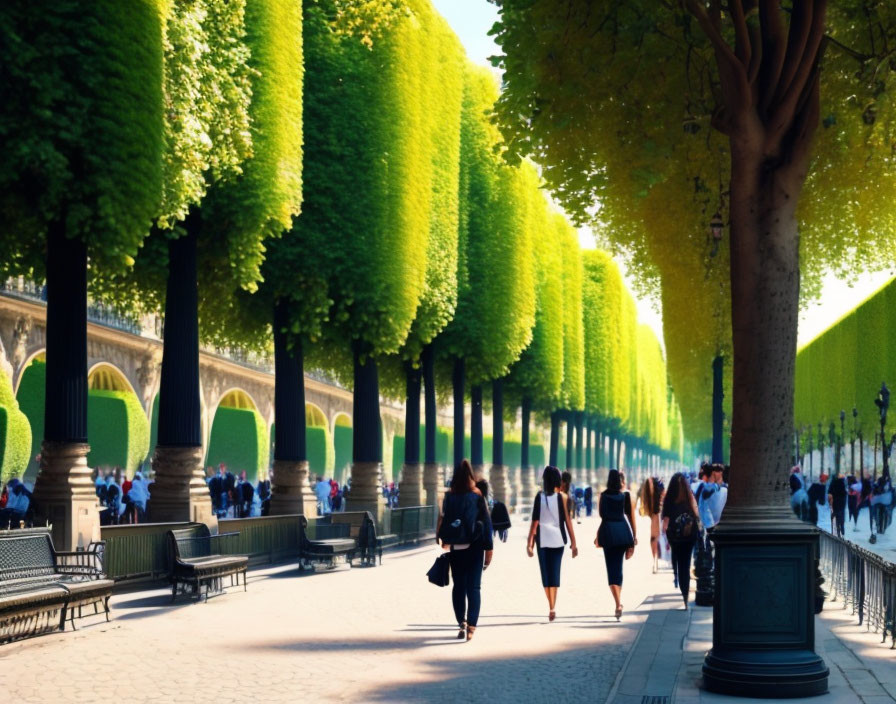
(81, 120)
(573, 388)
(496, 281)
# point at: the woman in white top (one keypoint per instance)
(550, 526)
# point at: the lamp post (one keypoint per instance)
(811, 452)
(883, 404)
(841, 439)
(852, 443)
(820, 449)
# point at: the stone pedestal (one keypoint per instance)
(291, 489)
(500, 484)
(367, 491)
(513, 487)
(433, 484)
(179, 492)
(410, 487)
(65, 495)
(528, 488)
(764, 608)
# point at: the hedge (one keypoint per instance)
(342, 443)
(31, 402)
(15, 434)
(239, 439)
(117, 430)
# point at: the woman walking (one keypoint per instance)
(651, 503)
(466, 530)
(550, 526)
(681, 524)
(617, 532)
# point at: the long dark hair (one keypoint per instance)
(614, 481)
(550, 480)
(679, 492)
(462, 482)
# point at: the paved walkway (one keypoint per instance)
(386, 635)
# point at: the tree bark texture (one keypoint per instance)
(476, 425)
(289, 392)
(498, 422)
(412, 415)
(65, 403)
(367, 445)
(524, 437)
(179, 408)
(458, 382)
(555, 438)
(717, 412)
(429, 405)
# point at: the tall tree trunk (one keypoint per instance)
(179, 408)
(476, 425)
(290, 489)
(367, 444)
(414, 377)
(429, 404)
(524, 440)
(65, 402)
(498, 422)
(717, 412)
(578, 417)
(555, 438)
(570, 440)
(458, 382)
(289, 392)
(589, 446)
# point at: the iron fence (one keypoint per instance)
(864, 581)
(411, 523)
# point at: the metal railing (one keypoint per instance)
(263, 539)
(864, 581)
(139, 550)
(410, 523)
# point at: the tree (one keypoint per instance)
(80, 176)
(495, 311)
(762, 76)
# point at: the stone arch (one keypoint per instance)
(117, 426)
(239, 436)
(104, 376)
(39, 354)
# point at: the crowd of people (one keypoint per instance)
(846, 496)
(123, 500)
(680, 516)
(234, 496)
(15, 504)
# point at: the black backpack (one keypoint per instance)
(682, 529)
(459, 518)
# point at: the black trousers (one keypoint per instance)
(466, 574)
(613, 558)
(681, 560)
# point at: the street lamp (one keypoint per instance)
(883, 404)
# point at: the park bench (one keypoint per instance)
(197, 559)
(362, 528)
(325, 542)
(41, 587)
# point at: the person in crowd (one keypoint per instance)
(816, 494)
(651, 495)
(865, 500)
(854, 486)
(138, 496)
(548, 533)
(346, 489)
(322, 492)
(881, 502)
(681, 524)
(500, 516)
(465, 530)
(589, 501)
(4, 496)
(617, 533)
(568, 490)
(799, 496)
(18, 501)
(837, 495)
(248, 498)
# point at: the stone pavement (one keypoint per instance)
(385, 634)
(379, 634)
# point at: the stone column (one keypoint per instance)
(179, 492)
(410, 486)
(433, 484)
(366, 493)
(291, 489)
(527, 488)
(65, 495)
(499, 483)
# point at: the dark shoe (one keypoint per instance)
(552, 615)
(462, 633)
(618, 612)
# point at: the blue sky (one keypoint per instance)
(471, 20)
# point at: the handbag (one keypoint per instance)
(439, 572)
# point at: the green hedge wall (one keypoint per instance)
(15, 434)
(239, 439)
(513, 454)
(117, 430)
(342, 443)
(443, 448)
(844, 366)
(31, 402)
(319, 450)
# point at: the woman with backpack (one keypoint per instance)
(465, 529)
(617, 532)
(681, 524)
(550, 526)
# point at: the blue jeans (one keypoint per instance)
(466, 574)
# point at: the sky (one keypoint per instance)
(472, 20)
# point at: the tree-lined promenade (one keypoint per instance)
(323, 183)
